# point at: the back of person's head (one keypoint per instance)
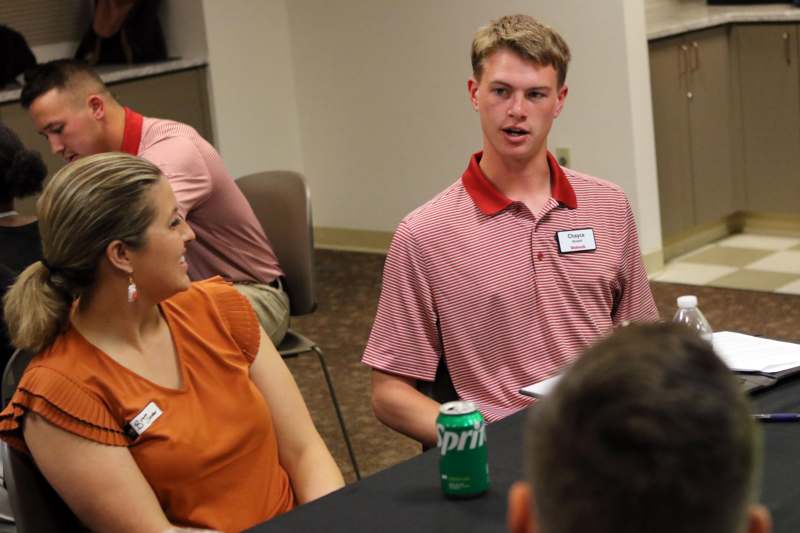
(647, 432)
(525, 36)
(63, 74)
(87, 205)
(22, 171)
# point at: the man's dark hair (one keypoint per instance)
(648, 431)
(59, 74)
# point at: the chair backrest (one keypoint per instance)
(441, 389)
(282, 204)
(13, 373)
(37, 507)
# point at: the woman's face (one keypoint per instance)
(159, 267)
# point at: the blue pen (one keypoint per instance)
(778, 417)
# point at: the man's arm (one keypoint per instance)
(635, 302)
(398, 404)
(404, 344)
(184, 167)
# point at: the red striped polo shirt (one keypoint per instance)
(476, 277)
(229, 239)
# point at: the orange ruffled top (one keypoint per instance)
(211, 456)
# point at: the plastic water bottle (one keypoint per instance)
(690, 316)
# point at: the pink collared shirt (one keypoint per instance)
(230, 241)
(478, 278)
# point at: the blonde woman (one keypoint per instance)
(153, 402)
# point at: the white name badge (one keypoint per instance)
(576, 240)
(143, 420)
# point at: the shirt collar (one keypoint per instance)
(491, 201)
(132, 134)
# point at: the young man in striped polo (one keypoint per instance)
(514, 269)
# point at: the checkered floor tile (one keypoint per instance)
(745, 261)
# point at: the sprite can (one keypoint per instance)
(463, 456)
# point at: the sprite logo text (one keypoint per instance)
(466, 439)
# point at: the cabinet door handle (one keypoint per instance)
(695, 56)
(787, 49)
(683, 67)
(682, 49)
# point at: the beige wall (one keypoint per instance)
(251, 85)
(368, 98)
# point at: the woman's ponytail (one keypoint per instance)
(36, 308)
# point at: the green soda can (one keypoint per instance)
(464, 458)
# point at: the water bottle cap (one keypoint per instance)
(687, 302)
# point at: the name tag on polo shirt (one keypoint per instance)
(143, 420)
(576, 240)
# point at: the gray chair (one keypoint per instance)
(36, 505)
(441, 389)
(282, 204)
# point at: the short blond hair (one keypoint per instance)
(523, 35)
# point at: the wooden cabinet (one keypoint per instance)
(668, 81)
(180, 96)
(692, 107)
(769, 81)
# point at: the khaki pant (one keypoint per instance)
(271, 306)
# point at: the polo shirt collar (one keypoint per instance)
(132, 134)
(491, 201)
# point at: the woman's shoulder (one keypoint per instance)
(208, 290)
(215, 294)
(71, 358)
(215, 301)
(56, 385)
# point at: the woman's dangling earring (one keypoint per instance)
(133, 293)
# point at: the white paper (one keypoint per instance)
(746, 353)
(542, 388)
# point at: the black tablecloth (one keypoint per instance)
(407, 496)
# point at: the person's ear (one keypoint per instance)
(758, 519)
(561, 97)
(472, 89)
(520, 515)
(118, 255)
(97, 106)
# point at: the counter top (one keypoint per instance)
(116, 73)
(674, 17)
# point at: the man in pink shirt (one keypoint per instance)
(73, 109)
(509, 273)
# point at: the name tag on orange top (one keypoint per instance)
(143, 420)
(576, 240)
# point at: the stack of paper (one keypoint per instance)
(745, 353)
(542, 388)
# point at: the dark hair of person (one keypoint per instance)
(648, 431)
(22, 171)
(58, 74)
(87, 205)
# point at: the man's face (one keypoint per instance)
(517, 100)
(69, 123)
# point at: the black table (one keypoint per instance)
(407, 496)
